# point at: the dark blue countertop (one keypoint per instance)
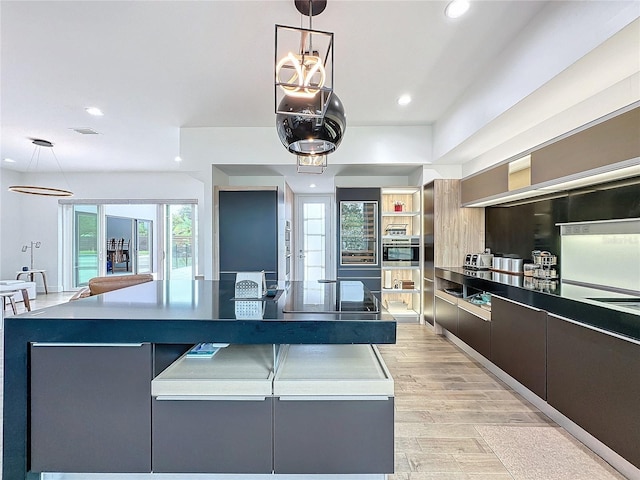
(573, 302)
(183, 312)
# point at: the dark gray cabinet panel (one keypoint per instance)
(519, 343)
(214, 436)
(248, 231)
(593, 378)
(474, 331)
(446, 315)
(333, 436)
(90, 408)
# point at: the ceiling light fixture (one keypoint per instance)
(311, 163)
(40, 190)
(95, 111)
(177, 159)
(404, 100)
(9, 160)
(310, 118)
(457, 8)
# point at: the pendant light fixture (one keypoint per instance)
(310, 118)
(36, 189)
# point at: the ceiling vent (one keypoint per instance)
(85, 131)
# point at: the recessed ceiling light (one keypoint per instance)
(177, 159)
(457, 8)
(95, 111)
(404, 100)
(9, 160)
(313, 185)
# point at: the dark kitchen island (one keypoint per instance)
(165, 318)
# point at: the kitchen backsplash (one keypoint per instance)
(519, 229)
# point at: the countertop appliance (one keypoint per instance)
(478, 261)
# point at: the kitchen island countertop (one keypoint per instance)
(182, 312)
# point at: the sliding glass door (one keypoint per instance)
(180, 242)
(123, 239)
(86, 251)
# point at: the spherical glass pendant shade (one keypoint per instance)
(304, 131)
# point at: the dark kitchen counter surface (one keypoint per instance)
(183, 312)
(574, 302)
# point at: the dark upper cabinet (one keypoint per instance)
(519, 343)
(248, 226)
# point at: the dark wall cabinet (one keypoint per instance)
(248, 226)
(519, 343)
(594, 379)
(90, 408)
(474, 328)
(446, 312)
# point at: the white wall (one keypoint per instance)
(28, 217)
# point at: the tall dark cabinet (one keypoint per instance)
(248, 231)
(359, 236)
(428, 266)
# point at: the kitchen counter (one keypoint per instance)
(182, 312)
(566, 300)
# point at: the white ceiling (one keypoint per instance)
(154, 67)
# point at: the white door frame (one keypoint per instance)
(298, 230)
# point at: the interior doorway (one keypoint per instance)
(314, 238)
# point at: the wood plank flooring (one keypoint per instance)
(444, 399)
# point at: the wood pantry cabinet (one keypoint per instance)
(90, 408)
(450, 232)
(519, 343)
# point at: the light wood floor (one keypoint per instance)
(445, 403)
(444, 400)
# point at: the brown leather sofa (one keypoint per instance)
(98, 285)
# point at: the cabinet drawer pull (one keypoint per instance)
(445, 300)
(356, 398)
(517, 303)
(474, 314)
(595, 329)
(53, 344)
(235, 398)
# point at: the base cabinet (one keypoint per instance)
(593, 380)
(519, 343)
(212, 436)
(446, 311)
(90, 408)
(474, 327)
(333, 436)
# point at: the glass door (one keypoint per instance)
(358, 233)
(313, 238)
(86, 251)
(180, 242)
(144, 246)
